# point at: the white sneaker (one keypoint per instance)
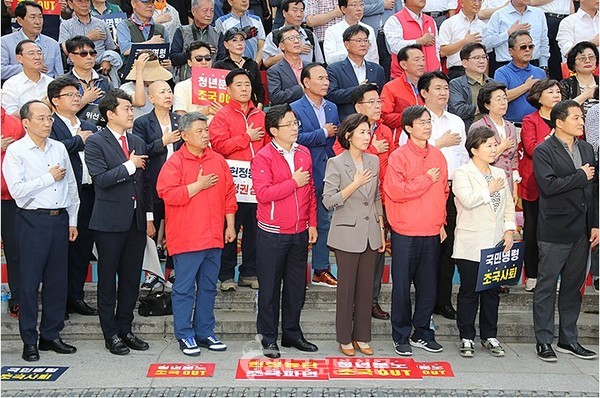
(467, 348)
(494, 346)
(150, 282)
(530, 284)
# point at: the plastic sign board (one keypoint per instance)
(282, 369)
(435, 369)
(32, 373)
(373, 368)
(192, 370)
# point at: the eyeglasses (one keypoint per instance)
(527, 47)
(371, 102)
(360, 41)
(294, 124)
(84, 54)
(70, 95)
(356, 5)
(34, 53)
(292, 38)
(479, 57)
(42, 119)
(583, 58)
(200, 58)
(423, 123)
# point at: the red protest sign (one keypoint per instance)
(374, 368)
(49, 7)
(208, 85)
(181, 370)
(282, 369)
(436, 369)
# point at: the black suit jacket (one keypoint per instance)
(115, 189)
(282, 84)
(568, 201)
(74, 145)
(147, 127)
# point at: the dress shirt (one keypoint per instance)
(455, 155)
(297, 69)
(25, 169)
(440, 5)
(316, 7)
(574, 153)
(359, 71)
(50, 50)
(226, 22)
(75, 27)
(270, 49)
(454, 29)
(182, 98)
(74, 128)
(491, 4)
(394, 34)
(287, 155)
(319, 112)
(496, 32)
(562, 7)
(333, 45)
(166, 128)
(577, 27)
(124, 35)
(20, 89)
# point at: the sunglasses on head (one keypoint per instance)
(527, 47)
(200, 58)
(84, 54)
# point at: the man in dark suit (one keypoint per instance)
(283, 78)
(346, 75)
(567, 226)
(63, 94)
(121, 218)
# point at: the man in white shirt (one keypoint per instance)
(439, 10)
(31, 84)
(40, 178)
(448, 134)
(333, 45)
(581, 26)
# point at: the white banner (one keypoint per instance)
(242, 178)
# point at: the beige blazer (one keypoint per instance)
(478, 226)
(355, 221)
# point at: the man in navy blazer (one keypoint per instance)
(282, 81)
(346, 75)
(121, 218)
(318, 126)
(63, 94)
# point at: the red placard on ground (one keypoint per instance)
(181, 370)
(208, 85)
(435, 369)
(282, 369)
(49, 7)
(373, 368)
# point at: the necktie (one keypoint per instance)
(124, 146)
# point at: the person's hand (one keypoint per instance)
(505, 143)
(166, 63)
(138, 160)
(331, 129)
(515, 193)
(362, 177)
(256, 134)
(495, 184)
(6, 141)
(443, 234)
(156, 39)
(163, 18)
(73, 234)
(448, 139)
(57, 172)
(388, 4)
(509, 239)
(84, 134)
(518, 26)
(596, 40)
(206, 181)
(96, 34)
(337, 12)
(428, 39)
(588, 92)
(474, 37)
(44, 68)
(383, 243)
(307, 49)
(589, 171)
(105, 67)
(312, 235)
(140, 64)
(214, 107)
(230, 234)
(171, 137)
(381, 145)
(301, 177)
(434, 173)
(251, 31)
(91, 94)
(594, 238)
(530, 81)
(150, 229)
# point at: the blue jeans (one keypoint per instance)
(320, 251)
(196, 282)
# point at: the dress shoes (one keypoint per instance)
(116, 346)
(271, 350)
(364, 348)
(81, 307)
(133, 342)
(546, 353)
(30, 353)
(446, 311)
(56, 345)
(378, 313)
(300, 344)
(577, 350)
(349, 352)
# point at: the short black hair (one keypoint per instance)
(359, 92)
(476, 137)
(468, 49)
(578, 49)
(110, 101)
(427, 78)
(410, 114)
(21, 8)
(403, 53)
(274, 115)
(56, 86)
(535, 92)
(78, 42)
(235, 72)
(25, 112)
(194, 46)
(561, 111)
(19, 48)
(342, 3)
(485, 95)
(278, 34)
(285, 4)
(353, 30)
(306, 71)
(349, 124)
(512, 39)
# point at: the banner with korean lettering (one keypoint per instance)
(32, 373)
(181, 370)
(49, 7)
(374, 368)
(497, 268)
(435, 369)
(282, 369)
(112, 20)
(242, 178)
(208, 86)
(161, 51)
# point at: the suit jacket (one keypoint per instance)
(312, 136)
(116, 191)
(147, 127)
(478, 226)
(74, 145)
(282, 84)
(342, 82)
(568, 201)
(355, 221)
(461, 99)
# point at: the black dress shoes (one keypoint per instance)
(546, 353)
(116, 346)
(133, 342)
(378, 313)
(300, 344)
(30, 353)
(271, 350)
(577, 350)
(56, 345)
(446, 311)
(81, 307)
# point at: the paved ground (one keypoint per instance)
(94, 372)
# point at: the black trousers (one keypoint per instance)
(530, 217)
(80, 251)
(11, 249)
(245, 217)
(447, 263)
(385, 57)
(43, 260)
(469, 301)
(554, 69)
(281, 258)
(120, 254)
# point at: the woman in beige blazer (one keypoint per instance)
(485, 216)
(356, 234)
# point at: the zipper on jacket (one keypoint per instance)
(272, 209)
(297, 210)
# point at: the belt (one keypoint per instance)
(559, 16)
(435, 14)
(46, 212)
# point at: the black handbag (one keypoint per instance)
(156, 303)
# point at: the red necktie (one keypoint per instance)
(124, 146)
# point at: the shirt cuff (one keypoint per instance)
(130, 167)
(149, 216)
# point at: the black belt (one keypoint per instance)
(559, 16)
(46, 212)
(435, 14)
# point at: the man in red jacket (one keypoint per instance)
(198, 191)
(287, 223)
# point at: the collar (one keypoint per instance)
(117, 135)
(467, 19)
(322, 106)
(24, 37)
(512, 9)
(200, 29)
(583, 14)
(297, 65)
(185, 152)
(90, 15)
(238, 107)
(282, 151)
(472, 81)
(434, 115)
(517, 69)
(355, 66)
(374, 128)
(141, 25)
(95, 76)
(415, 16)
(29, 144)
(564, 144)
(417, 149)
(68, 122)
(26, 78)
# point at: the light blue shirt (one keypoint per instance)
(319, 112)
(495, 34)
(50, 50)
(124, 35)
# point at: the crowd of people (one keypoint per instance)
(427, 121)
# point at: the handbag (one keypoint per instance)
(156, 303)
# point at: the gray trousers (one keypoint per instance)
(569, 261)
